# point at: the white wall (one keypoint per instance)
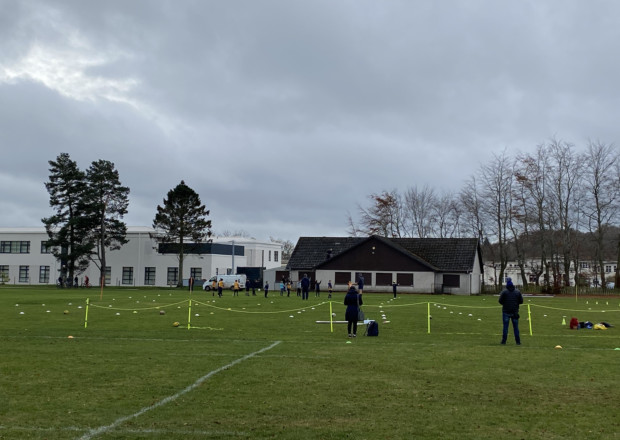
(140, 252)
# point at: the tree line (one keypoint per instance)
(548, 210)
(88, 210)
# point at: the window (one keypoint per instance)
(127, 275)
(404, 279)
(149, 276)
(4, 274)
(14, 247)
(584, 265)
(275, 256)
(108, 275)
(342, 277)
(173, 275)
(451, 280)
(196, 273)
(44, 274)
(23, 274)
(607, 269)
(45, 249)
(384, 279)
(269, 255)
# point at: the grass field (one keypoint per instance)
(256, 368)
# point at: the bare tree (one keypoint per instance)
(472, 214)
(496, 180)
(602, 185)
(446, 215)
(418, 209)
(287, 248)
(384, 215)
(566, 168)
(533, 176)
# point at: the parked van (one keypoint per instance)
(229, 281)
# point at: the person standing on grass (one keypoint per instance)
(236, 288)
(394, 284)
(288, 288)
(360, 284)
(220, 287)
(247, 287)
(353, 301)
(282, 288)
(266, 289)
(510, 299)
(317, 289)
(329, 288)
(213, 287)
(305, 287)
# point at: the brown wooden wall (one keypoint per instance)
(374, 255)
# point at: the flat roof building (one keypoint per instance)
(25, 258)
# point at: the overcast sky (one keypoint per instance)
(285, 115)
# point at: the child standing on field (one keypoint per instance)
(236, 288)
(266, 288)
(329, 288)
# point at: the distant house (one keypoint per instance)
(418, 265)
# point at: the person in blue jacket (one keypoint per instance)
(352, 300)
(510, 299)
(305, 286)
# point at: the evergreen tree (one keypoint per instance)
(67, 235)
(106, 202)
(182, 217)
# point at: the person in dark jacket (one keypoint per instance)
(305, 286)
(352, 300)
(510, 299)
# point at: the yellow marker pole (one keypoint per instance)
(331, 318)
(86, 315)
(529, 318)
(189, 314)
(428, 316)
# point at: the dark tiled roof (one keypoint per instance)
(448, 254)
(311, 251)
(444, 254)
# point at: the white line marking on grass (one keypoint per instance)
(94, 432)
(177, 432)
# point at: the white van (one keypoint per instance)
(229, 281)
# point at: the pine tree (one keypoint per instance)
(67, 236)
(106, 202)
(182, 217)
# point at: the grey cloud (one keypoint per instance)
(285, 115)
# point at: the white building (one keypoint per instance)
(588, 270)
(26, 259)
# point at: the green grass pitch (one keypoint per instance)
(263, 368)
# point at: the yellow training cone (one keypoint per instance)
(563, 321)
(558, 346)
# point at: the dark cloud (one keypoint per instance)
(285, 115)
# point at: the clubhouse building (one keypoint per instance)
(417, 265)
